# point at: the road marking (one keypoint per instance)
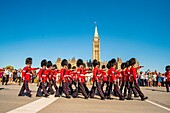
(35, 106)
(158, 105)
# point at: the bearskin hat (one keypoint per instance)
(69, 66)
(64, 62)
(109, 65)
(44, 63)
(49, 64)
(127, 63)
(95, 63)
(113, 61)
(123, 65)
(79, 62)
(84, 65)
(55, 66)
(28, 60)
(103, 66)
(132, 61)
(167, 68)
(74, 67)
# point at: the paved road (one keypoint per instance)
(158, 102)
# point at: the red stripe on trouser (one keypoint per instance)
(117, 91)
(43, 88)
(66, 88)
(26, 87)
(81, 86)
(99, 90)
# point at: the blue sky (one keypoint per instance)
(65, 28)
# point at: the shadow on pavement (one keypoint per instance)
(155, 90)
(1, 88)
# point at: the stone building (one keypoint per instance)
(95, 54)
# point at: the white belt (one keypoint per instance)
(98, 75)
(66, 75)
(82, 75)
(43, 75)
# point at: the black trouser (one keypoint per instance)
(98, 85)
(82, 86)
(124, 85)
(167, 85)
(74, 92)
(137, 88)
(41, 87)
(66, 88)
(117, 91)
(25, 87)
(56, 88)
(50, 89)
(142, 82)
(109, 89)
(19, 80)
(6, 79)
(70, 86)
(3, 80)
(103, 83)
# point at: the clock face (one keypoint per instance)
(95, 39)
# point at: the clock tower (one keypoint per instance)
(96, 45)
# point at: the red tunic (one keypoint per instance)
(54, 75)
(104, 76)
(118, 75)
(62, 72)
(133, 73)
(49, 74)
(26, 73)
(112, 73)
(124, 78)
(42, 75)
(64, 75)
(96, 75)
(74, 75)
(127, 71)
(81, 75)
(68, 75)
(167, 74)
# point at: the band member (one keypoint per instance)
(123, 73)
(85, 71)
(112, 74)
(128, 67)
(74, 82)
(54, 77)
(69, 71)
(110, 82)
(26, 77)
(104, 79)
(133, 80)
(64, 78)
(167, 74)
(42, 76)
(96, 80)
(49, 73)
(81, 78)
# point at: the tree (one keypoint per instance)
(9, 67)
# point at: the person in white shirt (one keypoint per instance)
(142, 78)
(6, 73)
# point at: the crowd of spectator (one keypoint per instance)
(151, 79)
(9, 76)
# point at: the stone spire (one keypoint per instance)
(96, 35)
